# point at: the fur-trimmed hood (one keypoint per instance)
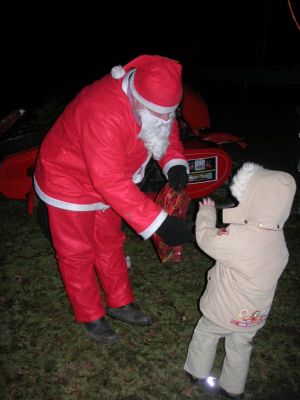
(265, 197)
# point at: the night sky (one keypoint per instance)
(47, 49)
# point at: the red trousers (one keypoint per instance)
(88, 245)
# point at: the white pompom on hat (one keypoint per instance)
(156, 82)
(118, 72)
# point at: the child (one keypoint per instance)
(250, 256)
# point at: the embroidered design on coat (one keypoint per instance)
(246, 321)
(223, 231)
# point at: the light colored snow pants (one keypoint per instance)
(202, 351)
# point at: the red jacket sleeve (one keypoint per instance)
(105, 143)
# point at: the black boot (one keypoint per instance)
(100, 331)
(230, 395)
(130, 314)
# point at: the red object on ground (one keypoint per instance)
(16, 173)
(175, 204)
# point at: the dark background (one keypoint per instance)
(242, 56)
(61, 47)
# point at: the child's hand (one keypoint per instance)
(207, 202)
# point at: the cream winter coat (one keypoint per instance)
(250, 253)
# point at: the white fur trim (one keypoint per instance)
(66, 205)
(118, 72)
(155, 225)
(241, 179)
(172, 163)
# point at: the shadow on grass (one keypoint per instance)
(46, 356)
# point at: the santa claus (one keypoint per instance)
(88, 167)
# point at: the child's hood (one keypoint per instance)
(265, 197)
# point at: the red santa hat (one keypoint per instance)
(156, 81)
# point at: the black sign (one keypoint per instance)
(203, 170)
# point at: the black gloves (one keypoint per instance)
(174, 231)
(178, 177)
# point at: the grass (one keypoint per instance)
(45, 355)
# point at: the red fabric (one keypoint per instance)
(157, 79)
(92, 151)
(86, 244)
(175, 204)
(195, 110)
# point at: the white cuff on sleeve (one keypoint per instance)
(172, 163)
(155, 225)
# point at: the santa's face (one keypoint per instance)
(155, 131)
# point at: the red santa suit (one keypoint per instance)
(87, 170)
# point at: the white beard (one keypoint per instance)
(155, 133)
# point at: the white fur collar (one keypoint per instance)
(241, 179)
